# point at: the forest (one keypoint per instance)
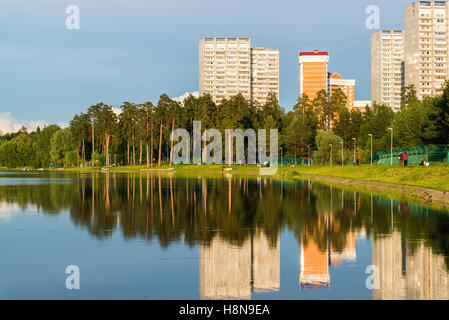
(140, 133)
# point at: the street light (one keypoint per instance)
(342, 153)
(281, 156)
(355, 145)
(308, 156)
(371, 135)
(331, 154)
(391, 146)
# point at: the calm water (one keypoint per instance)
(146, 236)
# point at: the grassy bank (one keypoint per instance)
(436, 178)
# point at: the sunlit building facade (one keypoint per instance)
(264, 74)
(362, 104)
(225, 67)
(229, 66)
(346, 85)
(387, 67)
(313, 73)
(426, 46)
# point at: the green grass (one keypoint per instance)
(428, 177)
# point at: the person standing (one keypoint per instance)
(401, 159)
(405, 159)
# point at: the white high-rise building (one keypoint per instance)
(426, 46)
(228, 66)
(225, 67)
(264, 73)
(387, 67)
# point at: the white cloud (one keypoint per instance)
(10, 124)
(117, 111)
(7, 210)
(181, 98)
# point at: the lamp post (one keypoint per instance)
(371, 135)
(281, 157)
(342, 153)
(355, 145)
(391, 146)
(308, 156)
(331, 154)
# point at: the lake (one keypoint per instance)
(152, 236)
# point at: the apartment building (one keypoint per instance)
(346, 85)
(225, 67)
(387, 67)
(426, 46)
(264, 73)
(228, 66)
(313, 72)
(362, 104)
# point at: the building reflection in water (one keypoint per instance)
(349, 253)
(314, 265)
(266, 263)
(314, 261)
(318, 256)
(404, 274)
(237, 224)
(229, 271)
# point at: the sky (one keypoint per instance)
(135, 50)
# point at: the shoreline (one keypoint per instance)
(377, 179)
(427, 196)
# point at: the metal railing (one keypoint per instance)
(431, 153)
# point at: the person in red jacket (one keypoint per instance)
(405, 159)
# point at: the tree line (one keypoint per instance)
(140, 133)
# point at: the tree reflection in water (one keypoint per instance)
(237, 222)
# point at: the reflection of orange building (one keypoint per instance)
(313, 72)
(346, 85)
(316, 260)
(349, 253)
(314, 265)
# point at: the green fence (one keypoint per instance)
(431, 153)
(286, 161)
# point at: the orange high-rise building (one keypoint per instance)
(346, 85)
(313, 73)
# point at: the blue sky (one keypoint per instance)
(135, 50)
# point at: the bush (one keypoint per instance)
(98, 159)
(323, 141)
